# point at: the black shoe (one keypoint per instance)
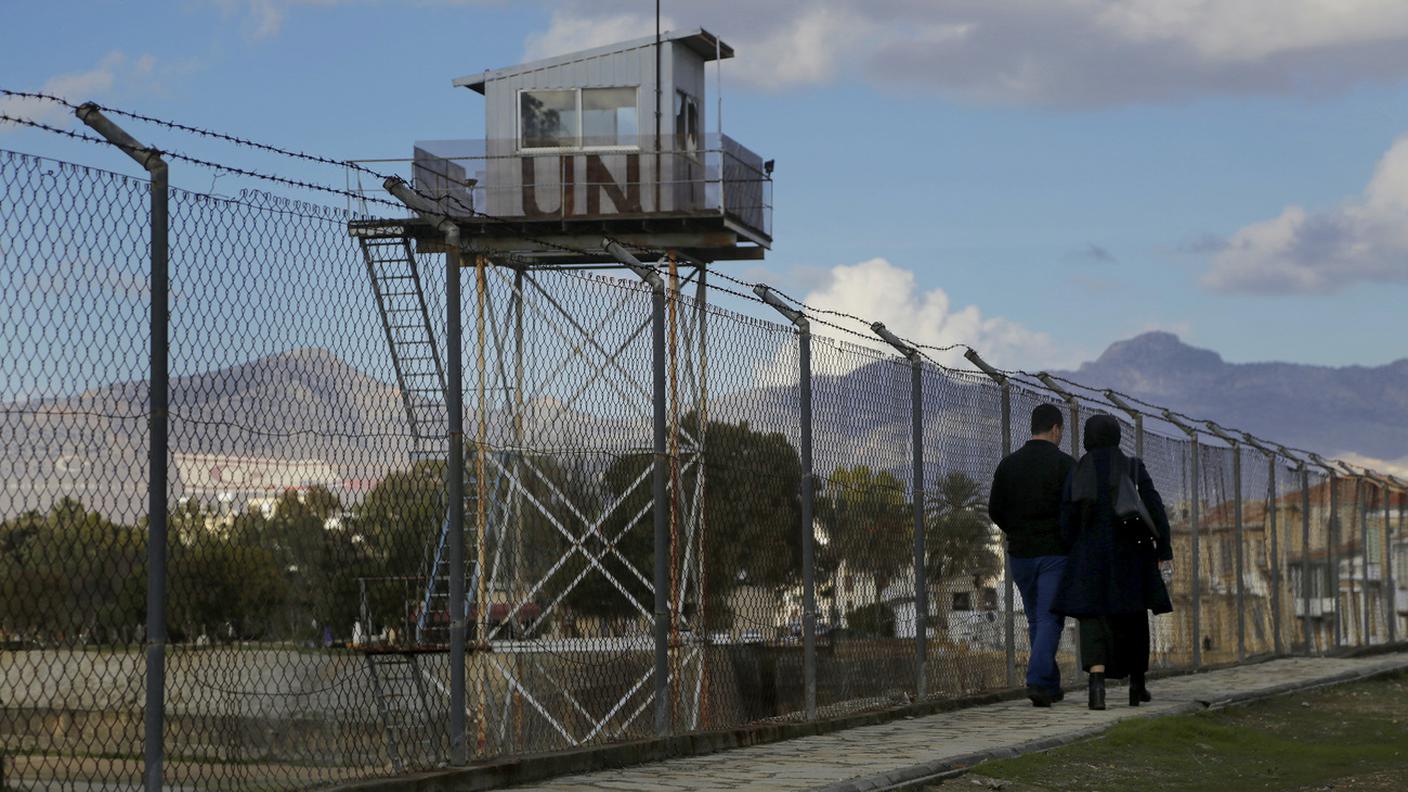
(1057, 695)
(1038, 697)
(1097, 690)
(1138, 691)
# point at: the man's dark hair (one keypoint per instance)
(1045, 418)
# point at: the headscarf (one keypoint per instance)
(1102, 438)
(1101, 431)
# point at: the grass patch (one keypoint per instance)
(1355, 735)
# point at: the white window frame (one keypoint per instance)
(577, 92)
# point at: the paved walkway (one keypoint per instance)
(885, 756)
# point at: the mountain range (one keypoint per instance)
(308, 413)
(1337, 411)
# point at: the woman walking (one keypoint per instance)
(1114, 524)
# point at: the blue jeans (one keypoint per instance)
(1037, 579)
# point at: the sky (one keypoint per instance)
(1037, 178)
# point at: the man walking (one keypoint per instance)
(1025, 503)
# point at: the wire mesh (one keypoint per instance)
(309, 606)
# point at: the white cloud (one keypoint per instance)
(570, 32)
(1304, 252)
(1393, 467)
(1069, 53)
(878, 290)
(116, 69)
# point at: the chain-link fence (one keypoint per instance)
(634, 489)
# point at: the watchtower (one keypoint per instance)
(604, 148)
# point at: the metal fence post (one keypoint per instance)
(1305, 554)
(1366, 636)
(1074, 434)
(1332, 535)
(1194, 475)
(808, 494)
(1363, 491)
(1009, 633)
(454, 461)
(1237, 536)
(1272, 498)
(158, 388)
(661, 505)
(1389, 584)
(1135, 415)
(921, 583)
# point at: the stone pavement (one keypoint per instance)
(892, 755)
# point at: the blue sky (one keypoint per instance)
(1039, 180)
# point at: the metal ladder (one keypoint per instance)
(410, 336)
(404, 705)
(420, 374)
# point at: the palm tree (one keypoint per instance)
(958, 536)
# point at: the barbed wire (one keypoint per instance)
(812, 312)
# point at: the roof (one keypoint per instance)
(701, 41)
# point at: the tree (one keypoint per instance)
(751, 514)
(71, 574)
(869, 521)
(957, 534)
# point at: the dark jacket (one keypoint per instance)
(1025, 501)
(1112, 569)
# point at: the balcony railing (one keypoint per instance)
(618, 179)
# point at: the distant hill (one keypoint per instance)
(324, 417)
(1333, 410)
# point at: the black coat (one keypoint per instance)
(1109, 569)
(1025, 501)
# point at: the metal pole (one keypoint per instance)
(1194, 514)
(158, 389)
(1135, 414)
(454, 461)
(1009, 632)
(1237, 537)
(1070, 399)
(1333, 555)
(1365, 635)
(804, 334)
(921, 582)
(454, 478)
(1305, 555)
(1272, 507)
(661, 580)
(1197, 575)
(1009, 636)
(1239, 554)
(1390, 586)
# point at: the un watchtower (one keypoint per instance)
(560, 447)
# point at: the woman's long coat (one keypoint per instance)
(1109, 569)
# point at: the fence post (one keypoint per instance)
(1390, 585)
(921, 582)
(454, 460)
(1194, 474)
(1009, 633)
(661, 505)
(804, 335)
(1135, 414)
(1361, 490)
(1361, 500)
(1332, 535)
(1304, 550)
(158, 387)
(1074, 433)
(1237, 536)
(1272, 498)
